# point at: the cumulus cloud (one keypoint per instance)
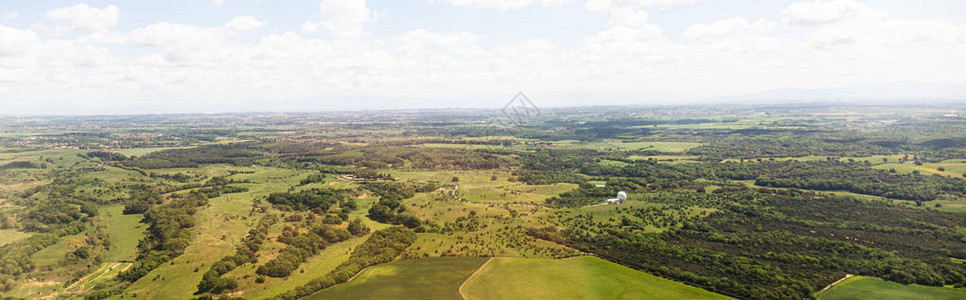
(82, 17)
(503, 5)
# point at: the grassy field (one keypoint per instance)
(427, 278)
(582, 277)
(125, 231)
(861, 287)
(10, 235)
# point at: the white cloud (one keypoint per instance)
(11, 15)
(244, 23)
(503, 5)
(82, 17)
(218, 2)
(183, 65)
(14, 41)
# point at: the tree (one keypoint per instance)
(357, 228)
(456, 179)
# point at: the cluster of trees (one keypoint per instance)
(141, 201)
(389, 209)
(313, 178)
(300, 247)
(106, 155)
(213, 282)
(309, 199)
(382, 247)
(168, 232)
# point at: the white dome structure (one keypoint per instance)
(621, 196)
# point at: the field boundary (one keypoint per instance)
(471, 277)
(827, 287)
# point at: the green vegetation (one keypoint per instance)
(573, 278)
(427, 278)
(861, 287)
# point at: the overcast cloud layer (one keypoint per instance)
(82, 59)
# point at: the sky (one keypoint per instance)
(185, 56)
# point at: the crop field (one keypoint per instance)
(573, 278)
(427, 278)
(861, 287)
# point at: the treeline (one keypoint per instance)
(240, 154)
(381, 157)
(246, 252)
(382, 247)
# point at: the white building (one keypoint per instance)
(621, 198)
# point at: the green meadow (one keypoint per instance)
(861, 287)
(583, 277)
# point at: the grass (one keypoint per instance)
(11, 235)
(426, 278)
(582, 277)
(124, 230)
(861, 287)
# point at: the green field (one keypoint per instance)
(861, 287)
(582, 277)
(426, 278)
(124, 230)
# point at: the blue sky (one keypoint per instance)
(104, 57)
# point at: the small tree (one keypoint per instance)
(456, 179)
(493, 178)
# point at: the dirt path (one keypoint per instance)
(847, 276)
(471, 277)
(357, 274)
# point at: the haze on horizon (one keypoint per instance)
(124, 57)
